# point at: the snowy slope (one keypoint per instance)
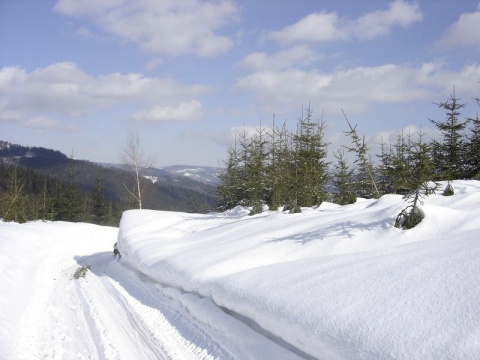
(334, 282)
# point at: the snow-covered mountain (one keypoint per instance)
(204, 174)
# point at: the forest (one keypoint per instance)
(26, 194)
(276, 167)
(44, 184)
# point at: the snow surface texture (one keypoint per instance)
(334, 282)
(112, 313)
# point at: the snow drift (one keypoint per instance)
(334, 282)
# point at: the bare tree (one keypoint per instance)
(14, 199)
(136, 163)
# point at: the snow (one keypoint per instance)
(153, 179)
(333, 282)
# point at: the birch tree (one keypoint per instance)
(135, 162)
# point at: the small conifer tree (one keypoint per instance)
(473, 147)
(366, 185)
(343, 180)
(422, 165)
(451, 152)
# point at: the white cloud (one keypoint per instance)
(86, 7)
(464, 32)
(465, 80)
(379, 23)
(391, 137)
(357, 88)
(8, 115)
(324, 26)
(153, 63)
(166, 27)
(184, 111)
(65, 89)
(300, 55)
(317, 27)
(284, 90)
(85, 32)
(42, 122)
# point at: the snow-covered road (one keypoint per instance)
(117, 313)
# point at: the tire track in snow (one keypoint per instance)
(118, 335)
(114, 313)
(53, 326)
(150, 334)
(95, 318)
(149, 294)
(156, 324)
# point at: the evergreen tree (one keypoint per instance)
(229, 191)
(402, 167)
(86, 209)
(243, 179)
(343, 180)
(114, 213)
(255, 170)
(45, 211)
(245, 148)
(422, 167)
(280, 173)
(68, 197)
(310, 156)
(395, 169)
(436, 153)
(451, 151)
(99, 211)
(365, 182)
(472, 153)
(384, 169)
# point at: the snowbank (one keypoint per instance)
(334, 282)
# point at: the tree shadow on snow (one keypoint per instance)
(344, 229)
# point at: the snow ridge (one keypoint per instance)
(334, 282)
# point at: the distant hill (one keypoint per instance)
(204, 174)
(174, 188)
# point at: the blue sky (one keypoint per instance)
(77, 76)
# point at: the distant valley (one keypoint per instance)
(173, 188)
